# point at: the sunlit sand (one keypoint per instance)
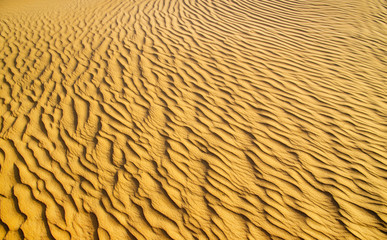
(193, 119)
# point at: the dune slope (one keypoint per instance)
(193, 119)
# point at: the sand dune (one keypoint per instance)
(193, 119)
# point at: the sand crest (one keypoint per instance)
(193, 119)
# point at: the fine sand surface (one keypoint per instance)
(193, 119)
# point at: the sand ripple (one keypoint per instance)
(193, 119)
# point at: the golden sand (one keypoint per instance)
(193, 119)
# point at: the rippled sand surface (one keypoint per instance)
(193, 119)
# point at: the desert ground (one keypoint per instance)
(193, 119)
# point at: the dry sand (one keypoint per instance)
(193, 119)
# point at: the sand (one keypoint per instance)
(193, 119)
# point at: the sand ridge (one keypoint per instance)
(191, 119)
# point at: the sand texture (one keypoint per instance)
(193, 119)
